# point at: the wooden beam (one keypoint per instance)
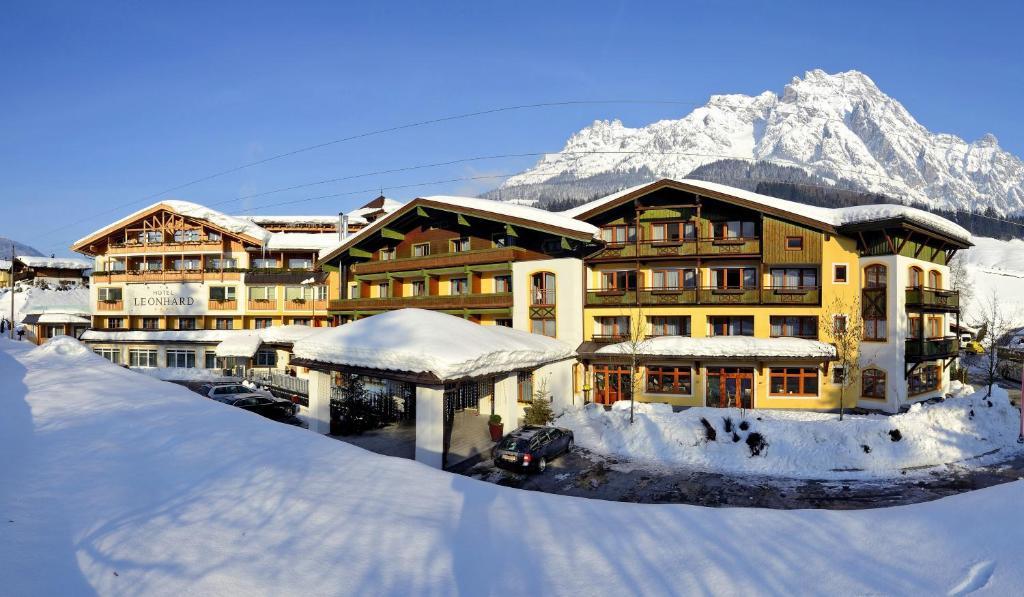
(392, 234)
(462, 220)
(421, 212)
(354, 252)
(888, 239)
(511, 231)
(903, 242)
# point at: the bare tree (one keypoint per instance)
(996, 321)
(634, 346)
(844, 328)
(961, 279)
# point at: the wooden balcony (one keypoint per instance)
(445, 260)
(609, 338)
(145, 276)
(497, 300)
(932, 349)
(223, 305)
(110, 305)
(650, 297)
(704, 247)
(790, 295)
(933, 299)
(171, 247)
(263, 304)
(305, 305)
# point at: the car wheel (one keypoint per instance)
(542, 464)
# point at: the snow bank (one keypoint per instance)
(184, 374)
(129, 485)
(301, 241)
(30, 299)
(424, 341)
(722, 346)
(802, 444)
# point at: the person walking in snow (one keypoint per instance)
(3, 326)
(21, 332)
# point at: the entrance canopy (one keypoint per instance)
(743, 348)
(240, 345)
(432, 346)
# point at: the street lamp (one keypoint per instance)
(586, 393)
(310, 282)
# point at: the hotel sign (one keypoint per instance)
(166, 299)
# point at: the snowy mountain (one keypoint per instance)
(841, 128)
(994, 267)
(19, 248)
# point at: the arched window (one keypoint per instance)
(542, 289)
(916, 277)
(934, 279)
(875, 276)
(872, 384)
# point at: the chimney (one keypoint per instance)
(342, 226)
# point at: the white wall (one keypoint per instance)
(319, 412)
(558, 380)
(569, 287)
(430, 425)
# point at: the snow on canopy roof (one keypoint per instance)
(421, 341)
(279, 334)
(193, 210)
(727, 346)
(62, 318)
(239, 345)
(522, 212)
(302, 240)
(843, 216)
(287, 334)
(54, 262)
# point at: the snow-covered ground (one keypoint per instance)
(29, 299)
(995, 266)
(185, 374)
(802, 444)
(115, 483)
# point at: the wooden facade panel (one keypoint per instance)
(776, 233)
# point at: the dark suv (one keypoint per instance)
(529, 449)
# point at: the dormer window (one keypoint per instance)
(387, 254)
(150, 237)
(460, 245)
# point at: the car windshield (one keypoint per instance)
(514, 444)
(232, 390)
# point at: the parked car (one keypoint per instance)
(222, 390)
(271, 408)
(529, 449)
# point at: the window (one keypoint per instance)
(150, 323)
(262, 323)
(387, 254)
(187, 264)
(503, 240)
(218, 263)
(302, 321)
(264, 263)
(502, 283)
(794, 243)
(262, 293)
(669, 380)
(223, 293)
(214, 236)
(934, 279)
(732, 326)
(419, 288)
(421, 250)
(307, 263)
(734, 278)
(111, 354)
(673, 232)
(186, 236)
(142, 358)
(186, 323)
(875, 276)
(839, 323)
(670, 326)
(182, 359)
(383, 290)
(914, 324)
(916, 277)
(524, 385)
(935, 327)
(875, 329)
(839, 275)
(319, 292)
(619, 280)
(796, 326)
(459, 286)
(52, 331)
(838, 375)
(115, 323)
(116, 265)
(794, 277)
(543, 289)
(612, 327)
(543, 326)
(224, 323)
(794, 381)
(925, 379)
(505, 323)
(266, 357)
(150, 265)
(296, 293)
(109, 295)
(674, 279)
(210, 358)
(459, 245)
(872, 384)
(733, 230)
(151, 237)
(618, 235)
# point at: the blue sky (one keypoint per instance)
(102, 104)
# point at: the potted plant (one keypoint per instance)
(496, 427)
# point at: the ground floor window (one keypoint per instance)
(732, 326)
(507, 323)
(666, 379)
(150, 323)
(872, 384)
(670, 326)
(261, 323)
(874, 329)
(612, 327)
(52, 331)
(111, 354)
(730, 387)
(211, 359)
(802, 326)
(224, 323)
(266, 357)
(142, 358)
(544, 327)
(794, 381)
(186, 323)
(302, 321)
(184, 359)
(524, 386)
(925, 379)
(612, 383)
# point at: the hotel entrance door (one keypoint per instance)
(730, 387)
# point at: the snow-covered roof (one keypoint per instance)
(193, 210)
(843, 216)
(726, 346)
(278, 334)
(522, 212)
(239, 345)
(420, 341)
(263, 219)
(302, 240)
(387, 205)
(53, 317)
(287, 334)
(54, 262)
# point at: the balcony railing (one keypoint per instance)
(443, 260)
(926, 349)
(161, 275)
(609, 338)
(166, 247)
(497, 300)
(704, 247)
(262, 304)
(304, 305)
(935, 299)
(110, 305)
(706, 295)
(223, 304)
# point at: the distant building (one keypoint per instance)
(53, 270)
